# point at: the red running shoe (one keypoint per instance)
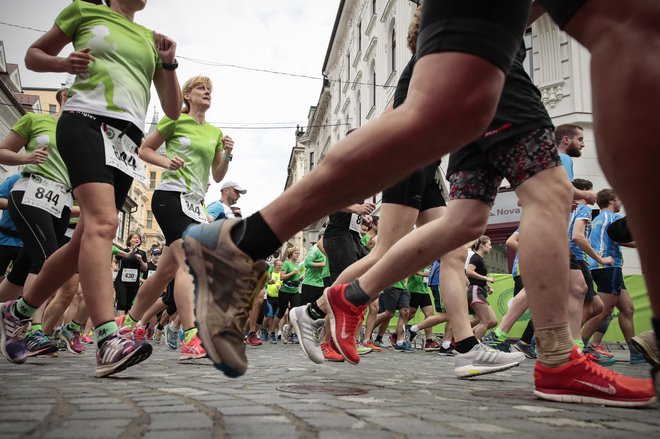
(253, 339)
(344, 319)
(329, 353)
(583, 381)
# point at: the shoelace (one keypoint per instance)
(318, 331)
(596, 368)
(246, 297)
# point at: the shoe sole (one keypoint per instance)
(192, 357)
(333, 334)
(580, 399)
(46, 352)
(470, 371)
(646, 350)
(196, 268)
(135, 357)
(294, 321)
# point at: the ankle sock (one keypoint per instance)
(446, 344)
(73, 326)
(159, 326)
(356, 295)
(414, 328)
(554, 345)
(130, 321)
(103, 331)
(579, 343)
(23, 310)
(35, 327)
(501, 335)
(315, 312)
(379, 339)
(255, 237)
(189, 334)
(466, 345)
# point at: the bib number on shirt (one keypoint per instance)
(193, 206)
(129, 275)
(122, 153)
(47, 195)
(355, 224)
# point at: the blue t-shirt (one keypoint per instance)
(567, 161)
(7, 226)
(434, 274)
(601, 241)
(582, 213)
(215, 210)
(515, 270)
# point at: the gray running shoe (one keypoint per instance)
(482, 360)
(226, 283)
(309, 331)
(171, 337)
(646, 343)
(286, 333)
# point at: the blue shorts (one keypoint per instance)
(608, 280)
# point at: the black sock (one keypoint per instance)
(466, 345)
(159, 326)
(356, 295)
(379, 338)
(255, 237)
(528, 334)
(429, 340)
(315, 312)
(656, 328)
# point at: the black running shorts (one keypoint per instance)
(562, 11)
(166, 206)
(420, 190)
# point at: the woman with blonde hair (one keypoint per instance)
(193, 147)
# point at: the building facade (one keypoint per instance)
(367, 52)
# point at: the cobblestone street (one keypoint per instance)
(284, 395)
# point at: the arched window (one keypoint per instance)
(393, 46)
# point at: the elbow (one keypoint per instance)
(29, 60)
(173, 113)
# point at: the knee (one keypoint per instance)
(579, 288)
(105, 228)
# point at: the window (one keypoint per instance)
(150, 219)
(152, 180)
(393, 45)
(373, 7)
(373, 84)
(359, 35)
(528, 63)
(358, 107)
(52, 108)
(121, 216)
(348, 67)
(311, 161)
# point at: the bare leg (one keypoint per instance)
(626, 311)
(63, 298)
(155, 284)
(578, 289)
(487, 319)
(516, 310)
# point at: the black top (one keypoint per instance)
(402, 85)
(150, 267)
(480, 265)
(130, 263)
(339, 224)
(520, 110)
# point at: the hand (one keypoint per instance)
(366, 208)
(38, 156)
(296, 271)
(138, 256)
(607, 260)
(176, 162)
(589, 197)
(166, 48)
(227, 145)
(490, 279)
(78, 62)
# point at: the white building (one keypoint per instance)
(367, 52)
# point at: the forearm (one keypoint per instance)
(220, 170)
(11, 158)
(152, 157)
(584, 245)
(39, 61)
(169, 93)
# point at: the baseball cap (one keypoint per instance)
(155, 251)
(230, 183)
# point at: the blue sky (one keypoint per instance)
(281, 35)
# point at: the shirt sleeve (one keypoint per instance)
(23, 127)
(166, 127)
(69, 19)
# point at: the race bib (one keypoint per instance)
(47, 195)
(129, 275)
(122, 153)
(149, 273)
(354, 225)
(69, 233)
(193, 206)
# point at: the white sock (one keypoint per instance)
(446, 344)
(414, 328)
(399, 343)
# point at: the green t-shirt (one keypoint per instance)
(325, 272)
(416, 284)
(196, 144)
(39, 130)
(118, 83)
(288, 267)
(400, 285)
(313, 275)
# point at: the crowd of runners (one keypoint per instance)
(222, 283)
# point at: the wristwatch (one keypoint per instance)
(172, 66)
(227, 158)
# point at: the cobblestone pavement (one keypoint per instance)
(389, 395)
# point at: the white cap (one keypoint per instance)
(230, 183)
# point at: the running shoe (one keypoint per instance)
(379, 344)
(646, 343)
(599, 358)
(171, 337)
(192, 350)
(12, 334)
(119, 320)
(410, 335)
(344, 320)
(118, 353)
(482, 360)
(432, 346)
(310, 332)
(38, 345)
(294, 339)
(449, 352)
(363, 350)
(330, 354)
(273, 338)
(370, 344)
(489, 339)
(637, 358)
(601, 350)
(253, 340)
(226, 283)
(392, 337)
(71, 338)
(263, 334)
(583, 381)
(286, 333)
(87, 339)
(404, 348)
(527, 349)
(158, 336)
(139, 333)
